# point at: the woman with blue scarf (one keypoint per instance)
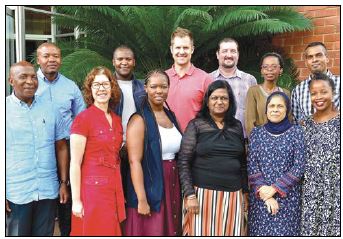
(275, 167)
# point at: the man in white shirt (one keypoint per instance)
(132, 94)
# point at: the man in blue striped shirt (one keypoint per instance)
(35, 137)
(316, 60)
(65, 96)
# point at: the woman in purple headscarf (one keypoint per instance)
(275, 167)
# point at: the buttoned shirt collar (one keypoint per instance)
(20, 102)
(328, 73)
(41, 75)
(238, 74)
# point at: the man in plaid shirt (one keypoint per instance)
(316, 60)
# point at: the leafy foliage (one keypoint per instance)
(77, 64)
(147, 30)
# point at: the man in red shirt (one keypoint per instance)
(188, 84)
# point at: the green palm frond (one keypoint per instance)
(147, 29)
(193, 17)
(77, 64)
(287, 14)
(263, 26)
(231, 18)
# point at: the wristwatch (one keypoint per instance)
(65, 181)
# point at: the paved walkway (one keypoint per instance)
(57, 232)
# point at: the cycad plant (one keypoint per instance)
(147, 30)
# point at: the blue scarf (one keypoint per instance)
(283, 125)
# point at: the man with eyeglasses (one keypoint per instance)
(67, 97)
(228, 55)
(316, 60)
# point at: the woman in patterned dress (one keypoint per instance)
(275, 167)
(321, 188)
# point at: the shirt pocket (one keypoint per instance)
(100, 134)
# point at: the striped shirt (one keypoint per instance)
(240, 84)
(301, 99)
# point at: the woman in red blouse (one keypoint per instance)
(96, 137)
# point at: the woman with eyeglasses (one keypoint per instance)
(271, 69)
(212, 166)
(96, 137)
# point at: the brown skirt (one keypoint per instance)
(220, 214)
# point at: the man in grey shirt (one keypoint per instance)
(228, 55)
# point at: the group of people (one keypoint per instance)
(184, 153)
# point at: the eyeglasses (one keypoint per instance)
(105, 85)
(272, 67)
(222, 98)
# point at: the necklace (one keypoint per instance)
(268, 92)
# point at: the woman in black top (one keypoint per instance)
(212, 166)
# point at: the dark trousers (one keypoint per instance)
(64, 210)
(64, 216)
(36, 218)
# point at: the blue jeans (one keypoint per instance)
(36, 218)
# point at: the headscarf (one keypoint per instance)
(283, 125)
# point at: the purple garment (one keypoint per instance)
(166, 222)
(240, 84)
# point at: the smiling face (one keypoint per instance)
(316, 59)
(321, 95)
(228, 55)
(270, 68)
(101, 89)
(124, 63)
(218, 102)
(49, 59)
(182, 50)
(24, 81)
(276, 109)
(157, 89)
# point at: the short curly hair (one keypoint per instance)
(87, 90)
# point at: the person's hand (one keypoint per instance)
(192, 204)
(246, 201)
(144, 208)
(266, 192)
(272, 206)
(8, 209)
(77, 208)
(64, 193)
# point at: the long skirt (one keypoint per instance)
(220, 214)
(166, 222)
